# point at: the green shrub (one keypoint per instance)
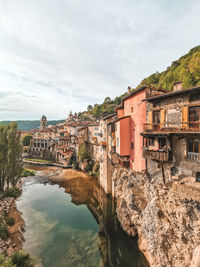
(3, 231)
(12, 192)
(83, 152)
(75, 165)
(5, 262)
(10, 221)
(22, 259)
(27, 172)
(17, 259)
(26, 140)
(96, 169)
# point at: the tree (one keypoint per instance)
(107, 99)
(97, 111)
(83, 152)
(10, 156)
(89, 107)
(26, 140)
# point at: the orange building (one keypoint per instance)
(131, 117)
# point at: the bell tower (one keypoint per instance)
(43, 123)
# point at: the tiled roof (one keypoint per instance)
(109, 116)
(175, 93)
(135, 92)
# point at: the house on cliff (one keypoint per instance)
(171, 135)
(107, 148)
(131, 116)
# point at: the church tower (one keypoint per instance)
(43, 123)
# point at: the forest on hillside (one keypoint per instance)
(185, 69)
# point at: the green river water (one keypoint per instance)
(72, 223)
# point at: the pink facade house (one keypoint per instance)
(131, 117)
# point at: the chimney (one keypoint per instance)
(178, 86)
(129, 90)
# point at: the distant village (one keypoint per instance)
(151, 129)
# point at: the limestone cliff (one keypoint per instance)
(165, 217)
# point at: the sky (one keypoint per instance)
(62, 55)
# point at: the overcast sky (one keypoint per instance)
(57, 55)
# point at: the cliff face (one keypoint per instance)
(165, 217)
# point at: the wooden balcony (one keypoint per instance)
(190, 126)
(159, 155)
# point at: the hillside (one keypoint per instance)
(30, 125)
(185, 69)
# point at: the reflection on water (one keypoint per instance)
(73, 223)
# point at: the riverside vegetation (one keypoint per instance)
(11, 171)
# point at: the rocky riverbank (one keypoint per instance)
(166, 218)
(14, 241)
(55, 173)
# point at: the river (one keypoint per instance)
(73, 223)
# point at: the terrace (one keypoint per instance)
(190, 126)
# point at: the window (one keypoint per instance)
(194, 146)
(132, 145)
(174, 171)
(132, 109)
(156, 116)
(197, 176)
(195, 97)
(151, 141)
(161, 143)
(117, 141)
(194, 117)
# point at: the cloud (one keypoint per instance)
(62, 55)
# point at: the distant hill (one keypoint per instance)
(30, 125)
(185, 69)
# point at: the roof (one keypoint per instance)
(95, 123)
(82, 128)
(80, 123)
(44, 117)
(135, 92)
(129, 95)
(123, 118)
(45, 130)
(176, 93)
(109, 116)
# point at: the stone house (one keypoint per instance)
(171, 135)
(93, 140)
(107, 147)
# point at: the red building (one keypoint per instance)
(131, 117)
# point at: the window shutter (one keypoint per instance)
(185, 117)
(162, 118)
(150, 117)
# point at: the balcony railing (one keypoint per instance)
(190, 126)
(194, 156)
(160, 155)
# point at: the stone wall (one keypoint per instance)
(165, 217)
